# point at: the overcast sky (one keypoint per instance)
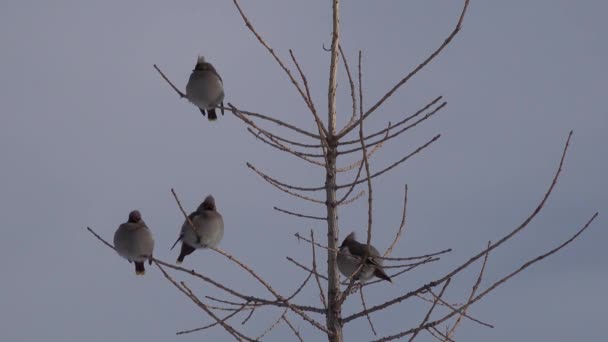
(89, 131)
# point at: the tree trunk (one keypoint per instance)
(334, 310)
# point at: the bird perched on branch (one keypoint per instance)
(207, 231)
(205, 88)
(349, 260)
(133, 241)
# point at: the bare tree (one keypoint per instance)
(322, 148)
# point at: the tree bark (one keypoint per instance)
(334, 314)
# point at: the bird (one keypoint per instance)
(207, 232)
(205, 88)
(349, 260)
(133, 241)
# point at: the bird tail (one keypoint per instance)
(176, 241)
(212, 115)
(139, 268)
(186, 249)
(378, 272)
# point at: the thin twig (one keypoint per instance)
(418, 150)
(281, 147)
(463, 313)
(383, 131)
(272, 290)
(505, 238)
(179, 92)
(428, 313)
(300, 215)
(351, 83)
(295, 332)
(321, 129)
(397, 133)
(400, 230)
(236, 311)
(280, 62)
(493, 286)
(371, 325)
(282, 186)
(412, 73)
(233, 110)
(100, 238)
(274, 325)
(360, 162)
(232, 331)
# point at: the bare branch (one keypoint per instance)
(181, 94)
(397, 133)
(100, 238)
(313, 110)
(369, 320)
(265, 332)
(453, 308)
(271, 290)
(353, 199)
(282, 186)
(279, 183)
(419, 149)
(281, 147)
(412, 73)
(244, 113)
(295, 332)
(282, 65)
(179, 204)
(183, 289)
(452, 330)
(248, 316)
(306, 268)
(360, 162)
(417, 113)
(299, 289)
(300, 215)
(352, 187)
(233, 313)
(428, 313)
(483, 252)
(493, 286)
(400, 230)
(351, 83)
(367, 173)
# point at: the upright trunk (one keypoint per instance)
(334, 310)
(334, 314)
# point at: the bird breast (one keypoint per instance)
(209, 227)
(134, 243)
(205, 89)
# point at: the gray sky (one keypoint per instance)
(89, 131)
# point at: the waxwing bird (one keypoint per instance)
(207, 232)
(205, 88)
(133, 241)
(349, 260)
